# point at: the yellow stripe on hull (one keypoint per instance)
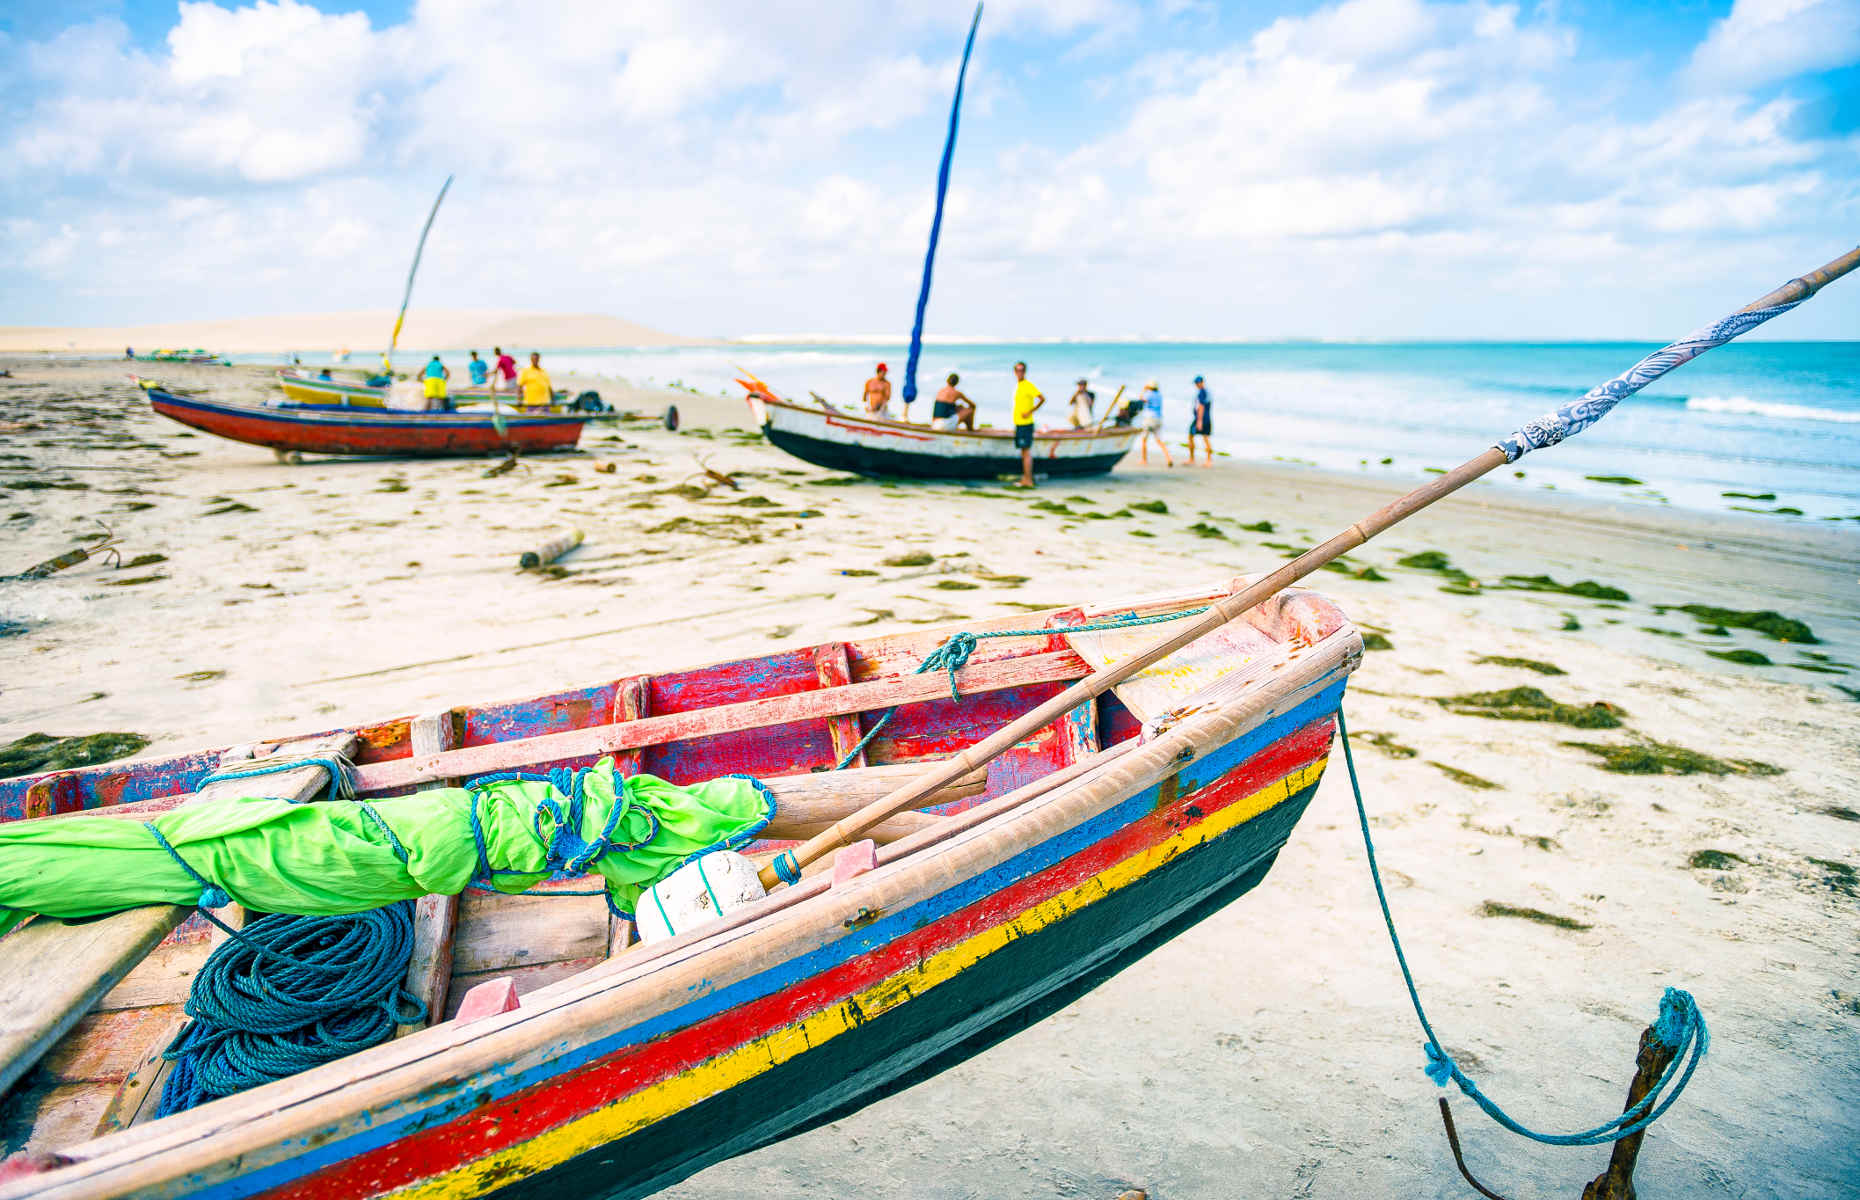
(733, 1067)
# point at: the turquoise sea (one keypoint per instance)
(1777, 419)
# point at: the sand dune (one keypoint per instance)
(362, 332)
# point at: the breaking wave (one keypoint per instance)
(1744, 406)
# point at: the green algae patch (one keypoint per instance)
(915, 559)
(1768, 622)
(1465, 778)
(146, 560)
(1530, 704)
(1839, 813)
(1748, 658)
(955, 585)
(1386, 743)
(1141, 533)
(1620, 480)
(856, 572)
(1715, 860)
(1259, 527)
(1841, 877)
(43, 752)
(1203, 529)
(1664, 758)
(1494, 908)
(756, 502)
(1149, 506)
(1523, 664)
(1377, 641)
(1771, 496)
(1053, 506)
(1543, 583)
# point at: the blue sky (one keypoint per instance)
(1375, 168)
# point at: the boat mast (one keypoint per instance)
(387, 356)
(936, 222)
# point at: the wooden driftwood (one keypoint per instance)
(550, 550)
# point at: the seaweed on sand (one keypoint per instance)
(1386, 743)
(43, 752)
(1530, 704)
(1465, 778)
(1494, 908)
(1149, 506)
(1748, 658)
(1648, 757)
(1768, 622)
(1524, 664)
(1715, 860)
(1377, 641)
(917, 558)
(1543, 583)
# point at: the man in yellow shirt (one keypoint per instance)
(1027, 400)
(533, 384)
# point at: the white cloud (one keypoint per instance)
(1764, 41)
(724, 164)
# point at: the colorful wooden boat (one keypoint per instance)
(196, 357)
(629, 1067)
(846, 441)
(304, 388)
(339, 430)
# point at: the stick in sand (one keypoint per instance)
(1572, 418)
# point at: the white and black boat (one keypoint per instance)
(871, 445)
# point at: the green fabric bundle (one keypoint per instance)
(506, 832)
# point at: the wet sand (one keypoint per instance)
(1267, 1052)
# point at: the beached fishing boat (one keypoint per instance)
(343, 430)
(846, 441)
(304, 388)
(626, 1067)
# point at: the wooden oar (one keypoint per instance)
(1570, 419)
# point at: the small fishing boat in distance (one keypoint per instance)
(868, 445)
(304, 388)
(625, 1067)
(336, 429)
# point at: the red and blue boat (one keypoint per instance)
(334, 429)
(627, 1067)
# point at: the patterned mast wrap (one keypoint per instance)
(1577, 415)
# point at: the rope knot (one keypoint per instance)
(951, 656)
(1440, 1065)
(214, 897)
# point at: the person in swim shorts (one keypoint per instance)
(434, 382)
(1201, 423)
(1027, 401)
(1150, 420)
(878, 393)
(951, 405)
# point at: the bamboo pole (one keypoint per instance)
(1102, 680)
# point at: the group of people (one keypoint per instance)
(530, 386)
(953, 410)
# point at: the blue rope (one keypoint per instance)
(1680, 1026)
(787, 868)
(339, 990)
(566, 852)
(952, 654)
(341, 773)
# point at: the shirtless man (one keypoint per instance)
(878, 393)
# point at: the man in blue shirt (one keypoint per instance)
(1201, 423)
(480, 370)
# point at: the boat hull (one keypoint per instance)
(362, 432)
(622, 1079)
(874, 446)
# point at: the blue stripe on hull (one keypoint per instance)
(491, 1085)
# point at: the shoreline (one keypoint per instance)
(291, 598)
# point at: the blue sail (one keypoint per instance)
(936, 222)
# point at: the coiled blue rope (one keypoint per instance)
(288, 993)
(1680, 1026)
(952, 654)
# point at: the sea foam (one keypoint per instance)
(1744, 406)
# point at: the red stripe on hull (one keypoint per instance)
(464, 437)
(518, 1118)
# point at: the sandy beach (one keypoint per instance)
(1545, 899)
